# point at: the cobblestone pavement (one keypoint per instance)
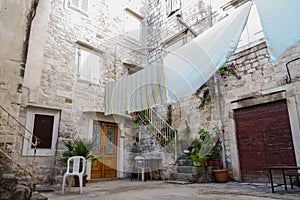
(136, 190)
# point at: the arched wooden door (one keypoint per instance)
(106, 135)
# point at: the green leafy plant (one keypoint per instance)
(207, 147)
(226, 71)
(194, 151)
(135, 148)
(79, 147)
(206, 92)
(140, 117)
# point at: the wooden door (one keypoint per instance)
(106, 136)
(264, 138)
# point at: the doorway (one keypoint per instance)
(105, 135)
(264, 138)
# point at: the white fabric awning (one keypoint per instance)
(139, 91)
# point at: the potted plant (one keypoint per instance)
(194, 152)
(78, 147)
(220, 173)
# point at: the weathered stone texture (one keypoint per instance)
(59, 87)
(12, 31)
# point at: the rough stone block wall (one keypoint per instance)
(259, 76)
(161, 28)
(12, 33)
(59, 87)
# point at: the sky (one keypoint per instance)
(252, 32)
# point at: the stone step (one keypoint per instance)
(185, 162)
(184, 177)
(190, 169)
(184, 156)
(177, 182)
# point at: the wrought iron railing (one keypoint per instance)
(12, 136)
(161, 129)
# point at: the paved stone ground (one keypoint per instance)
(125, 189)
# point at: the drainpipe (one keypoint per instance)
(30, 17)
(218, 98)
(186, 25)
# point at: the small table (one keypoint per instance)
(283, 170)
(150, 164)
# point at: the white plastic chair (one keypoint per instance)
(142, 164)
(73, 169)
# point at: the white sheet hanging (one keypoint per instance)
(189, 67)
(280, 21)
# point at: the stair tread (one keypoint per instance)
(177, 182)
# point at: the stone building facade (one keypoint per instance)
(55, 84)
(262, 83)
(12, 37)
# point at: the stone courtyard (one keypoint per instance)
(123, 189)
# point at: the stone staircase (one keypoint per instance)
(13, 186)
(161, 129)
(17, 172)
(186, 172)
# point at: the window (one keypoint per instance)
(78, 5)
(131, 69)
(133, 25)
(175, 43)
(252, 34)
(172, 6)
(90, 66)
(43, 123)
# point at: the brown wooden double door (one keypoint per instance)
(106, 135)
(264, 139)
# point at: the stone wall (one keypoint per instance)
(262, 82)
(12, 34)
(162, 28)
(51, 76)
(12, 185)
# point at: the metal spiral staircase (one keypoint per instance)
(12, 136)
(164, 132)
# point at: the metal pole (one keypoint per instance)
(219, 109)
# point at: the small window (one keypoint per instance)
(78, 5)
(133, 25)
(175, 43)
(172, 6)
(42, 123)
(131, 69)
(90, 66)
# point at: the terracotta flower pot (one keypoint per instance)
(76, 180)
(205, 162)
(216, 162)
(221, 175)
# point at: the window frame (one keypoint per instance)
(168, 44)
(139, 18)
(30, 119)
(70, 5)
(81, 47)
(172, 6)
